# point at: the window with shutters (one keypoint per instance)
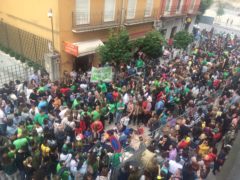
(179, 5)
(109, 10)
(149, 7)
(82, 12)
(131, 9)
(168, 4)
(192, 4)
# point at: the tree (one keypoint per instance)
(204, 5)
(220, 10)
(151, 44)
(182, 39)
(117, 49)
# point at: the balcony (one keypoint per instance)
(82, 22)
(174, 11)
(132, 17)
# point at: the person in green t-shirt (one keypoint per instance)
(112, 110)
(76, 103)
(102, 86)
(96, 114)
(115, 160)
(139, 63)
(119, 110)
(62, 172)
(40, 117)
(19, 143)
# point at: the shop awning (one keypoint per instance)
(82, 48)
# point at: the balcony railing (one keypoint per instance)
(82, 22)
(175, 11)
(144, 17)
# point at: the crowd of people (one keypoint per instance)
(172, 120)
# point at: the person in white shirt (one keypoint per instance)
(174, 166)
(35, 77)
(33, 111)
(125, 120)
(3, 122)
(65, 157)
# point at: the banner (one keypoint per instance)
(101, 74)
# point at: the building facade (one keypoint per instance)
(79, 26)
(176, 15)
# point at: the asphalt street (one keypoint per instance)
(231, 168)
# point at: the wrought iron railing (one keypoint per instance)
(86, 22)
(175, 10)
(24, 43)
(140, 16)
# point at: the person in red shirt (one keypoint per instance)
(64, 90)
(115, 94)
(80, 128)
(97, 127)
(216, 83)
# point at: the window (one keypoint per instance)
(109, 10)
(192, 4)
(167, 5)
(131, 9)
(179, 5)
(82, 12)
(149, 6)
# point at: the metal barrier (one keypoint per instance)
(15, 72)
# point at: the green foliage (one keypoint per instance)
(151, 44)
(204, 5)
(220, 10)
(182, 39)
(117, 49)
(12, 53)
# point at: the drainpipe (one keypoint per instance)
(123, 13)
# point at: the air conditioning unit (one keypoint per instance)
(158, 24)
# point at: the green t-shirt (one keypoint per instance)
(112, 108)
(167, 89)
(39, 118)
(120, 105)
(29, 127)
(20, 142)
(225, 75)
(186, 91)
(95, 115)
(64, 175)
(211, 54)
(204, 62)
(115, 160)
(156, 83)
(73, 87)
(42, 89)
(103, 87)
(75, 104)
(139, 63)
(104, 111)
(209, 82)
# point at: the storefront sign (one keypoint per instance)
(71, 49)
(101, 74)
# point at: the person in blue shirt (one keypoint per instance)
(159, 106)
(43, 104)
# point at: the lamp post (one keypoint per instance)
(50, 15)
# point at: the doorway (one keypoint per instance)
(173, 32)
(83, 63)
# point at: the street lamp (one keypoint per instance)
(50, 15)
